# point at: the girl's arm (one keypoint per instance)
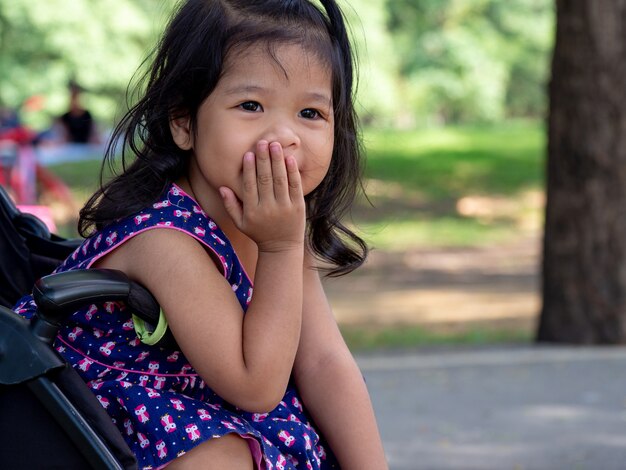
(247, 360)
(331, 384)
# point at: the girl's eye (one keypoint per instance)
(251, 106)
(310, 113)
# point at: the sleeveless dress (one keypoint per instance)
(154, 396)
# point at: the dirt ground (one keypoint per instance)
(443, 289)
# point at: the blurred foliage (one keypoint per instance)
(99, 43)
(422, 62)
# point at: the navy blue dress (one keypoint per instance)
(154, 396)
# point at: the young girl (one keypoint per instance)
(246, 158)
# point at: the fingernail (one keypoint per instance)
(275, 146)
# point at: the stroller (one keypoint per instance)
(48, 416)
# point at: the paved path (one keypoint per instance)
(516, 408)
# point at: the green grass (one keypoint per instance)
(409, 336)
(451, 162)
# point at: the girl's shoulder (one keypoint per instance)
(173, 209)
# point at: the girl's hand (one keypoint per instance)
(272, 210)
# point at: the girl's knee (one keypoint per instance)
(229, 451)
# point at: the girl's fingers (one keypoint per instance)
(250, 191)
(295, 183)
(264, 179)
(279, 172)
(232, 205)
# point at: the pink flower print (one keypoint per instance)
(128, 426)
(167, 223)
(122, 376)
(321, 452)
(152, 393)
(75, 333)
(287, 438)
(95, 384)
(259, 417)
(104, 401)
(308, 465)
(296, 403)
(212, 225)
(118, 364)
(104, 372)
(89, 313)
(173, 357)
(159, 382)
(61, 349)
(107, 348)
(109, 307)
(293, 418)
(292, 459)
(183, 214)
(98, 333)
(143, 441)
(153, 366)
(129, 325)
(204, 414)
(161, 449)
(142, 355)
(177, 404)
(85, 247)
(168, 423)
(162, 204)
(199, 231)
(249, 297)
(143, 380)
(218, 239)
(125, 384)
(214, 406)
(192, 432)
(267, 442)
(175, 191)
(141, 218)
(142, 413)
(228, 425)
(307, 441)
(85, 364)
(197, 210)
(96, 244)
(280, 463)
(185, 369)
(135, 342)
(111, 239)
(236, 421)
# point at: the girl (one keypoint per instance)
(246, 157)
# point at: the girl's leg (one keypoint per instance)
(229, 451)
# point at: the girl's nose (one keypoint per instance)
(284, 134)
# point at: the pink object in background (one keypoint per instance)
(42, 212)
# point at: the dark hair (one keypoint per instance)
(187, 66)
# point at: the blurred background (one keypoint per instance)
(453, 99)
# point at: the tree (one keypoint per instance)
(584, 265)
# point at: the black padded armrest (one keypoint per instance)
(61, 294)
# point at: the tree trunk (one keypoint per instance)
(584, 263)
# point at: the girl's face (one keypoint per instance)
(285, 98)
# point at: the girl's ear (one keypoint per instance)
(181, 132)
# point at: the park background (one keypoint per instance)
(453, 99)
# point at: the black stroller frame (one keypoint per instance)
(48, 416)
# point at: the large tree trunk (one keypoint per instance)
(584, 265)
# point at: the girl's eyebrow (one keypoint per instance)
(244, 89)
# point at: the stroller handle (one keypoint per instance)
(59, 295)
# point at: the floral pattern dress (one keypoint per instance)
(153, 395)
